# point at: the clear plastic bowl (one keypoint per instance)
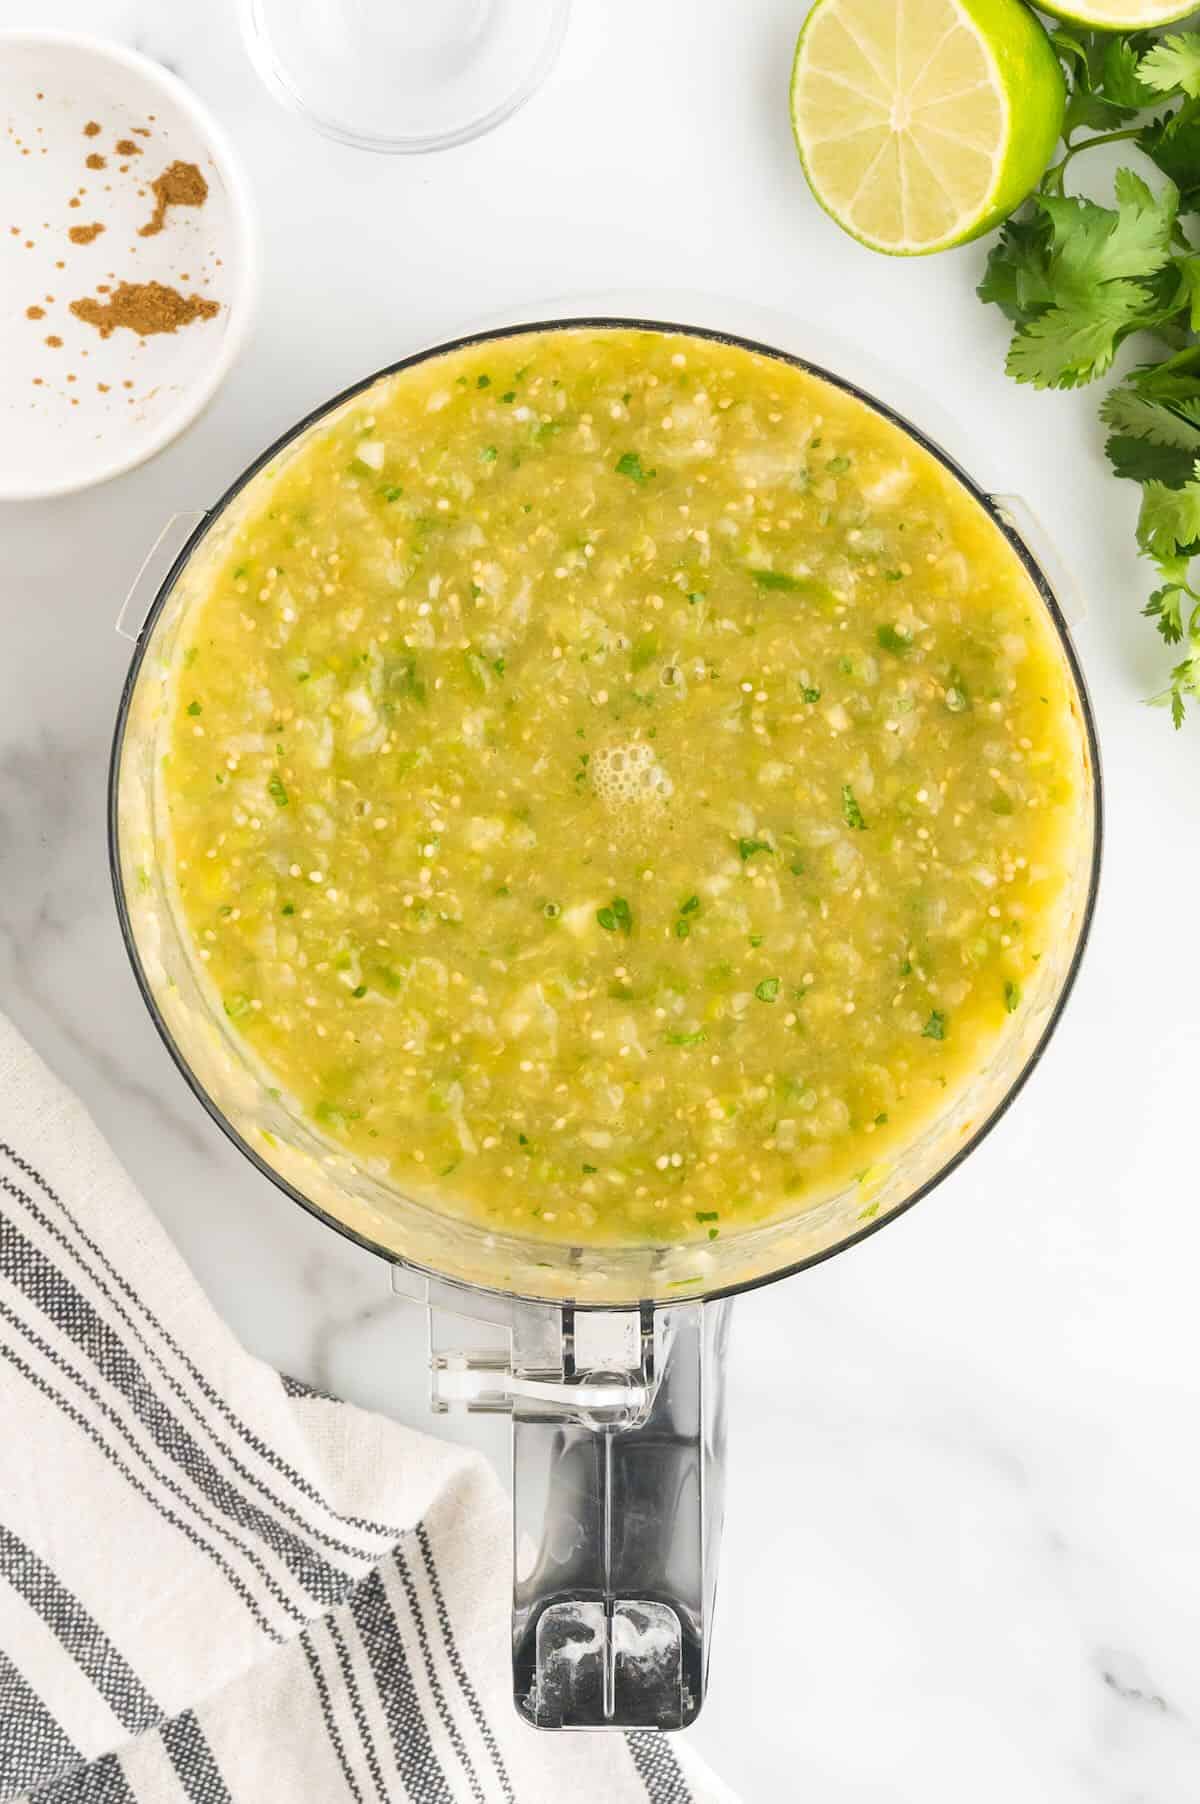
(404, 75)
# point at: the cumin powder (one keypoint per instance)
(144, 308)
(179, 185)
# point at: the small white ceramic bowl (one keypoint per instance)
(76, 413)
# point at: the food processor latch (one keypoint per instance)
(169, 546)
(618, 1487)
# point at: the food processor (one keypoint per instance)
(609, 1360)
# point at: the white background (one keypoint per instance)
(961, 1550)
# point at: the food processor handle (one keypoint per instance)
(618, 1470)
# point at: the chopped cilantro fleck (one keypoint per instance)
(852, 814)
(694, 1039)
(589, 1170)
(488, 455)
(894, 639)
(768, 989)
(1012, 996)
(508, 396)
(194, 708)
(393, 493)
(690, 906)
(708, 1215)
(630, 464)
(276, 790)
(935, 1027)
(483, 382)
(289, 908)
(810, 695)
(748, 847)
(360, 989)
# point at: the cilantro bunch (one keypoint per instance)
(1077, 279)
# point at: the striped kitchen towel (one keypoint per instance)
(219, 1587)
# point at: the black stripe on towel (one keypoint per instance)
(32, 1745)
(193, 1760)
(79, 1236)
(113, 1303)
(185, 1528)
(455, 1662)
(331, 1728)
(658, 1768)
(416, 1758)
(354, 1699)
(100, 1782)
(27, 1267)
(431, 1673)
(80, 1635)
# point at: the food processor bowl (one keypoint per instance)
(609, 1359)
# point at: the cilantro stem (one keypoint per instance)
(1053, 178)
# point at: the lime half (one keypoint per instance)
(921, 123)
(1119, 15)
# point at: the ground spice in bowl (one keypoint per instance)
(179, 185)
(144, 308)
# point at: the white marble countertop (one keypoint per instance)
(961, 1557)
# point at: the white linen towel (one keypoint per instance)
(218, 1586)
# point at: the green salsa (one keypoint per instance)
(619, 785)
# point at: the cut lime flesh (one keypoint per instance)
(920, 123)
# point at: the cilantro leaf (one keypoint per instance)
(1067, 346)
(1140, 460)
(1169, 521)
(1120, 72)
(1078, 292)
(1099, 83)
(1095, 244)
(1189, 276)
(1165, 608)
(1173, 143)
(1015, 279)
(1163, 422)
(1174, 62)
